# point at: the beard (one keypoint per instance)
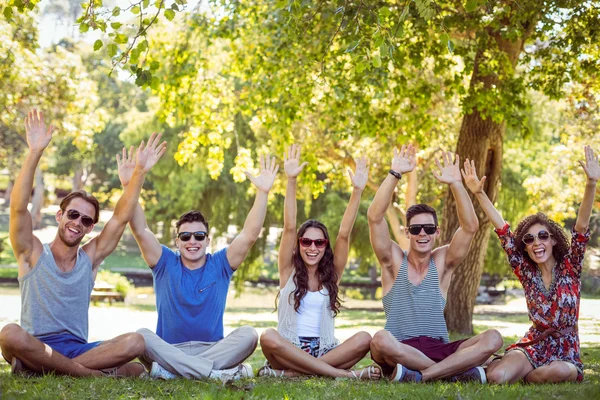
(69, 243)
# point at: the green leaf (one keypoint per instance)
(116, 11)
(135, 10)
(155, 83)
(112, 49)
(471, 5)
(83, 27)
(376, 60)
(98, 45)
(352, 46)
(174, 7)
(169, 14)
(121, 38)
(8, 13)
(115, 25)
(146, 3)
(450, 46)
(154, 65)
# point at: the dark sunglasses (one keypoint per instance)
(85, 220)
(319, 243)
(416, 229)
(542, 236)
(185, 236)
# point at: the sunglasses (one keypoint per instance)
(185, 236)
(542, 236)
(85, 220)
(319, 243)
(416, 229)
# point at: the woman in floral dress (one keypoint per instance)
(549, 268)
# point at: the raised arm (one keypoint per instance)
(592, 171)
(149, 245)
(263, 182)
(475, 185)
(102, 245)
(403, 162)
(342, 243)
(26, 246)
(292, 167)
(449, 173)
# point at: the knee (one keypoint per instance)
(145, 332)
(492, 341)
(561, 372)
(250, 336)
(270, 339)
(380, 342)
(13, 338)
(497, 376)
(135, 344)
(363, 341)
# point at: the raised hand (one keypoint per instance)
(360, 178)
(268, 171)
(38, 137)
(147, 156)
(448, 173)
(404, 160)
(591, 165)
(126, 165)
(291, 161)
(470, 174)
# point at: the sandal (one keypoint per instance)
(370, 370)
(268, 372)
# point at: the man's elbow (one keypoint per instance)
(373, 216)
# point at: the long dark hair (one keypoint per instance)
(559, 250)
(325, 271)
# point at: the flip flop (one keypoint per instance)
(370, 369)
(268, 372)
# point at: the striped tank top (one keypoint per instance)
(413, 311)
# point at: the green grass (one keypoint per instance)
(9, 272)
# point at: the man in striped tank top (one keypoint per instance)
(414, 346)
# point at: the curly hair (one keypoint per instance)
(325, 271)
(559, 250)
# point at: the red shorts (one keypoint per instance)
(435, 349)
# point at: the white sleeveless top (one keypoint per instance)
(287, 325)
(308, 317)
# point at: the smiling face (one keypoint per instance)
(312, 255)
(540, 251)
(72, 232)
(422, 242)
(193, 250)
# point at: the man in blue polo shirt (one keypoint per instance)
(191, 290)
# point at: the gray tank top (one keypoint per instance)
(56, 302)
(413, 311)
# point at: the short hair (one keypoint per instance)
(560, 249)
(420, 209)
(82, 194)
(192, 216)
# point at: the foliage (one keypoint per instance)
(121, 283)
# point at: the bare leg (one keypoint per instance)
(348, 353)
(556, 371)
(387, 351)
(470, 353)
(115, 353)
(37, 356)
(283, 355)
(513, 367)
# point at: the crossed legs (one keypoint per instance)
(515, 366)
(387, 352)
(39, 357)
(284, 355)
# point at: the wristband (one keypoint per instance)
(395, 174)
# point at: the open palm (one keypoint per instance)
(126, 165)
(266, 177)
(361, 176)
(147, 156)
(404, 160)
(38, 136)
(291, 161)
(449, 172)
(470, 174)
(591, 165)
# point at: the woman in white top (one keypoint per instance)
(309, 274)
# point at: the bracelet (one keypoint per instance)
(395, 174)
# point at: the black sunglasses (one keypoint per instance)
(416, 229)
(543, 236)
(85, 220)
(185, 236)
(319, 243)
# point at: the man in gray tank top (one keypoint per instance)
(57, 278)
(414, 344)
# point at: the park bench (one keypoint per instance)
(105, 292)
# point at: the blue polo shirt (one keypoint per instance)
(191, 303)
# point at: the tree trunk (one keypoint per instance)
(37, 201)
(480, 139)
(78, 179)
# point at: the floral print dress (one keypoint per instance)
(556, 307)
